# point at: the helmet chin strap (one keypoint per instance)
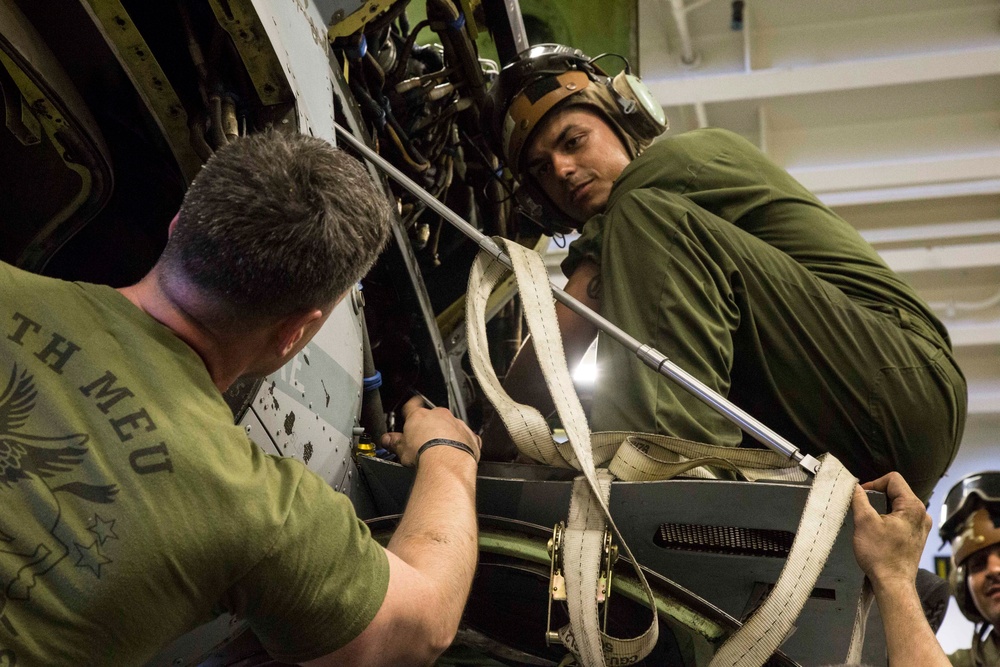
(536, 206)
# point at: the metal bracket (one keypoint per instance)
(608, 560)
(557, 581)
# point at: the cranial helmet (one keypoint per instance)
(970, 520)
(547, 76)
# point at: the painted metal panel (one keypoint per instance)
(256, 432)
(309, 408)
(298, 34)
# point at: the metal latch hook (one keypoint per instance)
(557, 581)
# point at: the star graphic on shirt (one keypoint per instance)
(105, 530)
(91, 557)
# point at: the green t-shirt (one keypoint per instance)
(133, 509)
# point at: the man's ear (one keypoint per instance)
(173, 223)
(293, 328)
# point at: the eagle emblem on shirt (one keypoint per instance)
(30, 463)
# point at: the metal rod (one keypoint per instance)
(650, 356)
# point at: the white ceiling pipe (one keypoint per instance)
(944, 257)
(701, 113)
(688, 56)
(911, 193)
(748, 63)
(951, 308)
(935, 232)
(763, 128)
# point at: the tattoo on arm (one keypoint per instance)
(594, 287)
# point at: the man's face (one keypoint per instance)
(575, 158)
(984, 582)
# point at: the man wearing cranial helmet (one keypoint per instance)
(701, 246)
(971, 522)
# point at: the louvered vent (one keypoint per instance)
(724, 540)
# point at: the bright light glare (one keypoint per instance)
(585, 372)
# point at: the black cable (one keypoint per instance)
(404, 53)
(628, 67)
(487, 162)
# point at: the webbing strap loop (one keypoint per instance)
(633, 456)
(589, 503)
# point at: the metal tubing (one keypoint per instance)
(688, 56)
(650, 356)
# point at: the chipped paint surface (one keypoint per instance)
(312, 15)
(308, 409)
(325, 391)
(315, 384)
(298, 34)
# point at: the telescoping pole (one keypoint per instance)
(649, 355)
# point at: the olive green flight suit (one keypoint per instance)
(722, 261)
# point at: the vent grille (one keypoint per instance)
(724, 540)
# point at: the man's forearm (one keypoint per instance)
(524, 381)
(437, 535)
(525, 384)
(909, 638)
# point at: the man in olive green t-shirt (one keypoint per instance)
(701, 247)
(133, 509)
(984, 652)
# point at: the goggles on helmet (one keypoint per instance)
(972, 491)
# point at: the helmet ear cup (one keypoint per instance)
(640, 113)
(959, 581)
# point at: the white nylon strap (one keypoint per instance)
(638, 457)
(768, 627)
(526, 424)
(583, 547)
(645, 456)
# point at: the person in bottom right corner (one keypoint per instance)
(970, 521)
